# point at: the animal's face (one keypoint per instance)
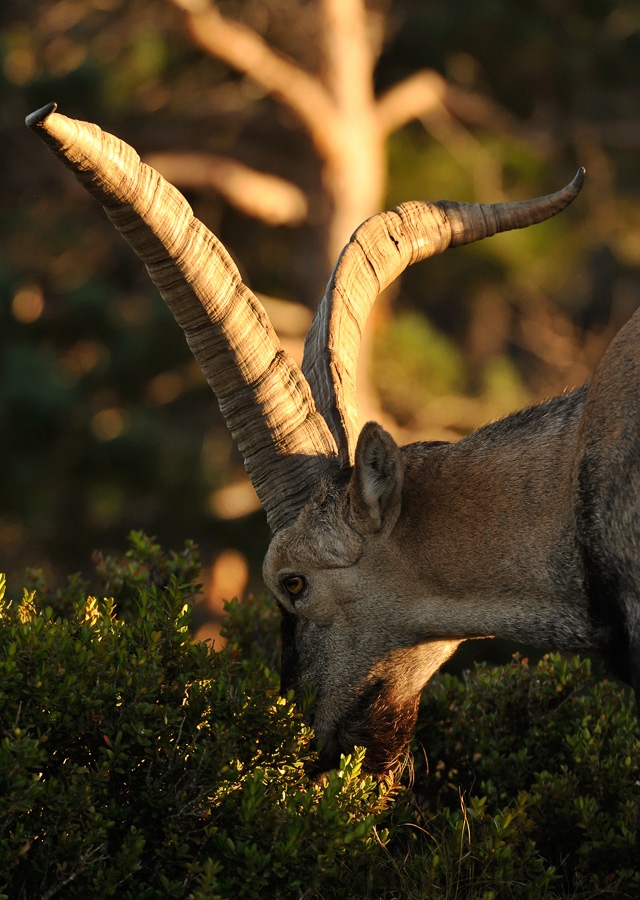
(347, 627)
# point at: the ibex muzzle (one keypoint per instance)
(383, 559)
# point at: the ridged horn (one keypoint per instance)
(379, 251)
(263, 395)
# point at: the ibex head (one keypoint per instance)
(382, 558)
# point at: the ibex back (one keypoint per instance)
(383, 559)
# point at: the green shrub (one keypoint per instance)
(550, 759)
(135, 763)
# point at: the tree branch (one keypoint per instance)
(476, 109)
(416, 95)
(267, 197)
(427, 91)
(244, 50)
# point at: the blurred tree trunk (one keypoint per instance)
(337, 107)
(347, 124)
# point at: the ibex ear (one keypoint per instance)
(376, 483)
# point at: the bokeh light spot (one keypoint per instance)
(28, 304)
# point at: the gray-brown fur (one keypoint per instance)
(607, 490)
(461, 540)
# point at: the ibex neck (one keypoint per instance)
(488, 527)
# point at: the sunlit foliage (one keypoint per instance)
(135, 763)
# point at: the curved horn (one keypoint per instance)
(379, 251)
(263, 396)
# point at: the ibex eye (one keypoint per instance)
(294, 585)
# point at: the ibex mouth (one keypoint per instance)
(377, 720)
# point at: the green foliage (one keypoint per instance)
(138, 764)
(552, 759)
(145, 563)
(416, 363)
(420, 372)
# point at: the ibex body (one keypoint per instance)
(424, 547)
(383, 559)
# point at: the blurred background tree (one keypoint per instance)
(287, 122)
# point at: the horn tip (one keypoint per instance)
(578, 179)
(36, 118)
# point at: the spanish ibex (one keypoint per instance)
(383, 559)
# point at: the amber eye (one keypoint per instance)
(294, 585)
